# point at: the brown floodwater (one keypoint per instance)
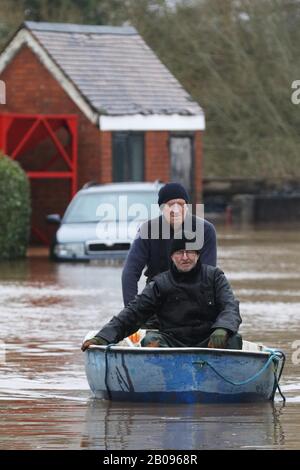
(47, 308)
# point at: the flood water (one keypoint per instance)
(47, 308)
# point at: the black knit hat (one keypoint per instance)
(188, 241)
(172, 191)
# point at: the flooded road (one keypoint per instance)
(46, 310)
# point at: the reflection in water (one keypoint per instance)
(111, 425)
(47, 308)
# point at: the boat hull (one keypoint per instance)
(180, 375)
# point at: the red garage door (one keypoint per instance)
(46, 148)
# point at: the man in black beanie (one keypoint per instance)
(194, 304)
(172, 191)
(152, 251)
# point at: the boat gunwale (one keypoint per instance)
(145, 350)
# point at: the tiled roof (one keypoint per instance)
(114, 69)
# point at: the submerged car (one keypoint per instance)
(101, 221)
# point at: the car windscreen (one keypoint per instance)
(106, 206)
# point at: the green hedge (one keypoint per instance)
(15, 209)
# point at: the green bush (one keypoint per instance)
(14, 209)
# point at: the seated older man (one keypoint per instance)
(194, 304)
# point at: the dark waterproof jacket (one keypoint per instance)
(189, 306)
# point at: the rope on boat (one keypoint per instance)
(280, 355)
(275, 357)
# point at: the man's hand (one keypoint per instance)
(96, 340)
(218, 339)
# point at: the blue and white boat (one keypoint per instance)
(184, 375)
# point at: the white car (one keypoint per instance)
(101, 221)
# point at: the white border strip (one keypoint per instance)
(153, 122)
(25, 37)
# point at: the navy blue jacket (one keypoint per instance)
(154, 254)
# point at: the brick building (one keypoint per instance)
(94, 103)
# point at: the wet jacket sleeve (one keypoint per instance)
(226, 303)
(136, 260)
(209, 249)
(133, 316)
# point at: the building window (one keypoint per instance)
(128, 156)
(182, 160)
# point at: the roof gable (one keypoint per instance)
(109, 70)
(24, 37)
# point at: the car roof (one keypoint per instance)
(120, 187)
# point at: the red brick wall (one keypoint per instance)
(106, 160)
(31, 89)
(157, 161)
